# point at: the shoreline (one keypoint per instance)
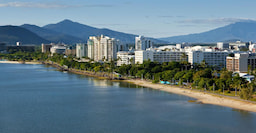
(201, 97)
(19, 62)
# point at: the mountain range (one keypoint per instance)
(66, 31)
(70, 32)
(244, 31)
(13, 34)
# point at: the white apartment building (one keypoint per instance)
(125, 57)
(142, 43)
(210, 56)
(59, 49)
(195, 57)
(169, 56)
(222, 45)
(81, 50)
(159, 56)
(252, 48)
(102, 48)
(143, 55)
(238, 44)
(90, 45)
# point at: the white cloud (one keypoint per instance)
(46, 5)
(32, 5)
(215, 21)
(170, 16)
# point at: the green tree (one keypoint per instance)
(202, 83)
(188, 76)
(179, 75)
(226, 75)
(206, 73)
(246, 93)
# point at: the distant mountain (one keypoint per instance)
(83, 31)
(12, 34)
(52, 36)
(245, 31)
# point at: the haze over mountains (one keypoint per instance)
(70, 32)
(13, 34)
(83, 31)
(51, 35)
(244, 31)
(66, 31)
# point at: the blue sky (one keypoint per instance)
(152, 18)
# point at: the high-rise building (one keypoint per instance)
(240, 62)
(81, 50)
(142, 43)
(90, 44)
(102, 48)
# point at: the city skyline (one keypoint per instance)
(157, 19)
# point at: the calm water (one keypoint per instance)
(39, 99)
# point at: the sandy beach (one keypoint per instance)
(18, 62)
(205, 98)
(202, 97)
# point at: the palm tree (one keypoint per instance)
(183, 57)
(184, 60)
(203, 64)
(131, 60)
(249, 69)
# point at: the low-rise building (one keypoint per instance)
(46, 47)
(169, 56)
(159, 56)
(252, 48)
(143, 55)
(58, 49)
(211, 57)
(125, 57)
(238, 44)
(222, 45)
(70, 51)
(14, 48)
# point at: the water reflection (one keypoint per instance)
(33, 101)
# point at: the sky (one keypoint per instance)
(151, 18)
